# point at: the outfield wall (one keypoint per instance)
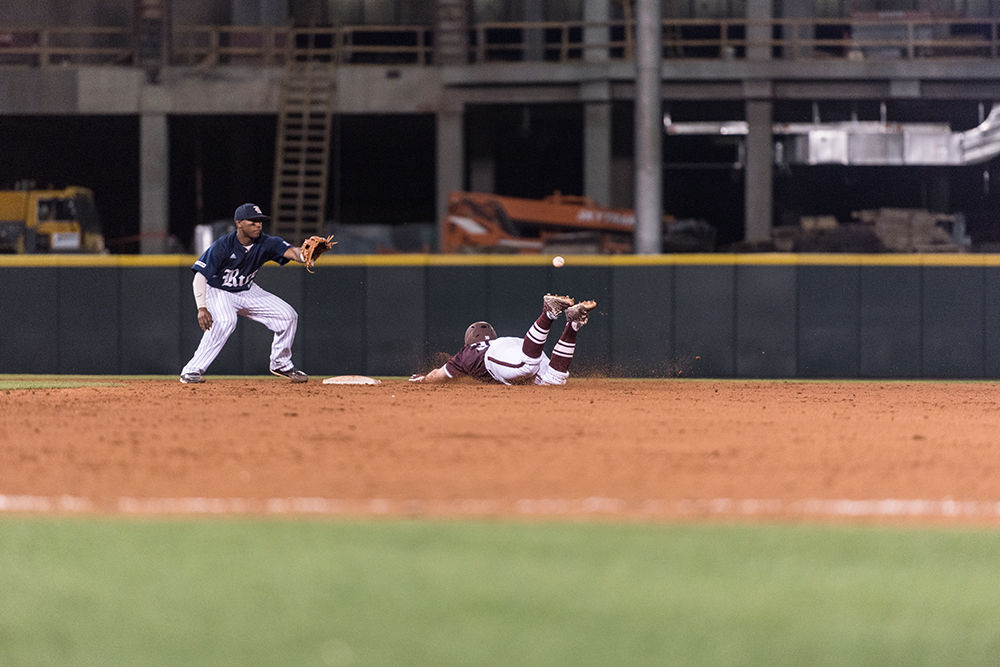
(718, 315)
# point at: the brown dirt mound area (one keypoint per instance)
(594, 449)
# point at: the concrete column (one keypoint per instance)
(596, 11)
(534, 38)
(152, 36)
(274, 12)
(260, 12)
(597, 141)
(154, 179)
(596, 97)
(759, 34)
(798, 9)
(648, 129)
(451, 32)
(450, 160)
(759, 172)
(245, 13)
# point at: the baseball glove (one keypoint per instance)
(313, 247)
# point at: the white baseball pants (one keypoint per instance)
(256, 304)
(507, 363)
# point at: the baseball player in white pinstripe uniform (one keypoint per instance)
(224, 289)
(507, 359)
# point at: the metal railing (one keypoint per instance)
(63, 45)
(211, 45)
(913, 37)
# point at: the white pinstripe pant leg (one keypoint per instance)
(222, 305)
(547, 375)
(507, 363)
(274, 313)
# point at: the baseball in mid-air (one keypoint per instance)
(558, 261)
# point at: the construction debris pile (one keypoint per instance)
(876, 231)
(917, 230)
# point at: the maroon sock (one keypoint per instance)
(562, 353)
(534, 339)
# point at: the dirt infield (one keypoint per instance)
(596, 448)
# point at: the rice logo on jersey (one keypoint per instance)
(232, 278)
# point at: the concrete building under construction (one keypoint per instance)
(371, 112)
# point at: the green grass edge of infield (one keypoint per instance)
(88, 590)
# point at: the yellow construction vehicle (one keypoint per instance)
(49, 220)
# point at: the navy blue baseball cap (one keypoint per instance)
(250, 212)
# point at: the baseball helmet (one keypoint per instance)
(479, 331)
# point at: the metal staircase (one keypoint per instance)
(302, 151)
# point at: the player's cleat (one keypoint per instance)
(293, 374)
(578, 314)
(191, 378)
(554, 305)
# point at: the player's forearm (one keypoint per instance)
(294, 253)
(198, 286)
(436, 375)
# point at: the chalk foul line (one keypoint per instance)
(595, 506)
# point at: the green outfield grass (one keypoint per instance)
(51, 384)
(86, 591)
(16, 382)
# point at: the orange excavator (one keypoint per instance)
(481, 222)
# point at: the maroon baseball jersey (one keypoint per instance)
(471, 361)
